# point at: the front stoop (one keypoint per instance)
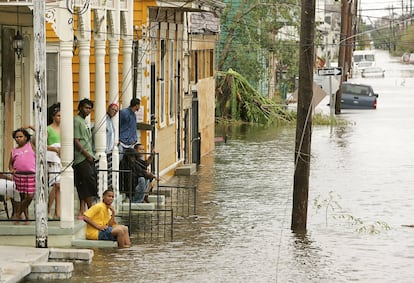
(186, 169)
(51, 271)
(18, 263)
(24, 235)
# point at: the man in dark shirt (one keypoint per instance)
(134, 160)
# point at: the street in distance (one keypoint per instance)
(335, 71)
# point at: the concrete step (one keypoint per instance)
(16, 263)
(186, 169)
(84, 255)
(84, 243)
(13, 272)
(137, 206)
(160, 199)
(155, 201)
(51, 271)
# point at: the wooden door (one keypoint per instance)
(8, 92)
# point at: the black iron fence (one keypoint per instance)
(151, 225)
(181, 199)
(154, 221)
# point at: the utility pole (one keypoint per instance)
(393, 28)
(350, 38)
(39, 31)
(342, 50)
(304, 117)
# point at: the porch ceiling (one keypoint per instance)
(8, 16)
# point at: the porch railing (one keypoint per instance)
(11, 198)
(174, 204)
(171, 205)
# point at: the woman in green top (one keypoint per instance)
(53, 159)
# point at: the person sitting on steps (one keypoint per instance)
(148, 176)
(101, 223)
(139, 176)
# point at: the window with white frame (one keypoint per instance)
(162, 82)
(171, 85)
(52, 72)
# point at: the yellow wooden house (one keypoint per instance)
(111, 51)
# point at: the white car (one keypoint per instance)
(373, 72)
(364, 64)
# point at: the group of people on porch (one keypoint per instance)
(135, 177)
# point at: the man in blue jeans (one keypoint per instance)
(145, 176)
(128, 136)
(137, 180)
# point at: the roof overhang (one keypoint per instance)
(212, 6)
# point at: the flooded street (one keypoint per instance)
(361, 192)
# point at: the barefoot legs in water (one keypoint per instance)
(120, 232)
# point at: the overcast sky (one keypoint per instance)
(379, 8)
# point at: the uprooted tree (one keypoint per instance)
(258, 39)
(236, 99)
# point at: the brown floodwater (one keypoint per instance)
(360, 195)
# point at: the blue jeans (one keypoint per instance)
(106, 235)
(139, 192)
(121, 151)
(122, 148)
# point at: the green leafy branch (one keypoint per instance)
(332, 207)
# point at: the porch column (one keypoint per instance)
(126, 72)
(114, 98)
(84, 44)
(100, 113)
(66, 98)
(84, 73)
(127, 22)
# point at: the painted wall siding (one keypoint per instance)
(50, 34)
(165, 145)
(205, 89)
(141, 12)
(203, 65)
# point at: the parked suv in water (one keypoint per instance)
(358, 96)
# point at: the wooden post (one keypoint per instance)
(39, 31)
(304, 117)
(342, 51)
(350, 38)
